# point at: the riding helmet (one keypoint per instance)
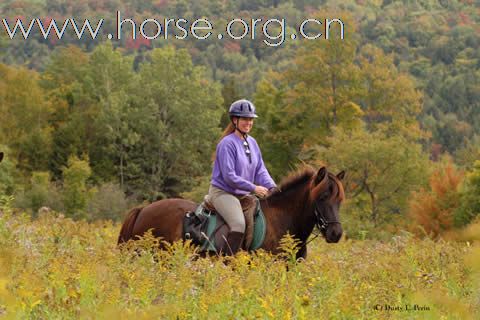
(242, 108)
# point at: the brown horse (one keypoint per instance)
(302, 201)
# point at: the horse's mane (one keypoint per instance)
(292, 181)
(338, 192)
(303, 176)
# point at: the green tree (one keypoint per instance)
(229, 95)
(279, 150)
(8, 173)
(467, 155)
(470, 198)
(111, 80)
(383, 169)
(181, 110)
(75, 190)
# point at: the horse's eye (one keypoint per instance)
(323, 197)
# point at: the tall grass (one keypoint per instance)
(55, 268)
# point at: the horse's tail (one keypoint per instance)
(127, 227)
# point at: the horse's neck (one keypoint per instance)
(293, 214)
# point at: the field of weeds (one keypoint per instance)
(56, 268)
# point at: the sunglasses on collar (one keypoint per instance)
(246, 146)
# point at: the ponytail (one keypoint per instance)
(228, 130)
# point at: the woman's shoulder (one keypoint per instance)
(227, 141)
(252, 141)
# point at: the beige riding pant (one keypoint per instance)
(228, 206)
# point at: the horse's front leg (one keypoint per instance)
(302, 253)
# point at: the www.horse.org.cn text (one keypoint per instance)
(272, 32)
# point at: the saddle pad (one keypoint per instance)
(259, 229)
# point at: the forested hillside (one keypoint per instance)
(93, 127)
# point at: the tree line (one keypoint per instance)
(95, 130)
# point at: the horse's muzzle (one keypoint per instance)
(334, 233)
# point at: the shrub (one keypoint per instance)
(108, 202)
(40, 193)
(199, 189)
(434, 209)
(75, 192)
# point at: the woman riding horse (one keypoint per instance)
(302, 201)
(238, 170)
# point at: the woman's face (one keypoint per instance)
(245, 124)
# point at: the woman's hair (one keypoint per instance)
(230, 128)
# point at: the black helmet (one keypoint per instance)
(242, 108)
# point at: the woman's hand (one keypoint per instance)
(272, 190)
(260, 191)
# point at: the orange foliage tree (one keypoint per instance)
(434, 209)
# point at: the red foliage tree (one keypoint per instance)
(433, 209)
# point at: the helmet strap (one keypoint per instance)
(244, 134)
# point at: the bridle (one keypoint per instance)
(320, 220)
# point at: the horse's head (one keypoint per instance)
(326, 195)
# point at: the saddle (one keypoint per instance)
(207, 229)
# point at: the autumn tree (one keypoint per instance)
(25, 114)
(388, 97)
(433, 208)
(333, 84)
(71, 105)
(300, 105)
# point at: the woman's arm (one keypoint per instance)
(262, 177)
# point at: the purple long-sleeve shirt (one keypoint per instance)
(232, 170)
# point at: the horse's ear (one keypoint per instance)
(321, 174)
(341, 175)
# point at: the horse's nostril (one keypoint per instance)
(334, 235)
(339, 236)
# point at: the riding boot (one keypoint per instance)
(234, 243)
